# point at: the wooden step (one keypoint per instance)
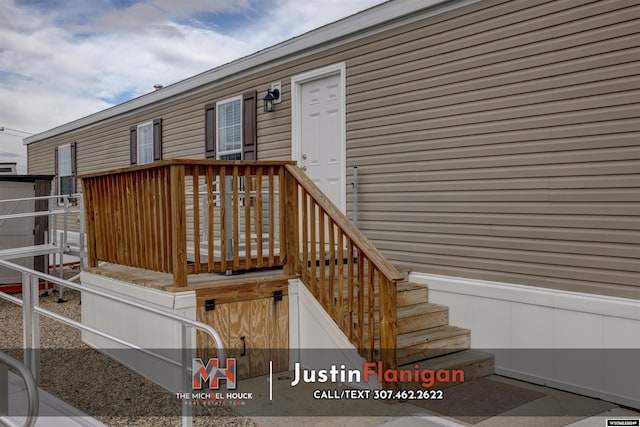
(421, 316)
(474, 363)
(433, 342)
(414, 317)
(411, 293)
(408, 294)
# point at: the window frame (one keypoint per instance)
(67, 172)
(150, 146)
(219, 152)
(156, 141)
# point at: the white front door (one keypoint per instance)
(319, 145)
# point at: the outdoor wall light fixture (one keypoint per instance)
(269, 98)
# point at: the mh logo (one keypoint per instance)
(212, 372)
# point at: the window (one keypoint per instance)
(229, 129)
(66, 168)
(145, 141)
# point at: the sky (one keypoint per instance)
(61, 60)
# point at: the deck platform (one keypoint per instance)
(197, 282)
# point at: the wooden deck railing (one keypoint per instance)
(193, 216)
(186, 216)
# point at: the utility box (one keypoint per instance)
(28, 231)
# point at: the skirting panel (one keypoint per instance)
(583, 343)
(147, 330)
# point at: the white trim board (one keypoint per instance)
(145, 329)
(567, 300)
(573, 341)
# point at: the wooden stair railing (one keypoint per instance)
(328, 238)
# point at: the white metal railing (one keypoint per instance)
(61, 209)
(65, 205)
(31, 330)
(33, 400)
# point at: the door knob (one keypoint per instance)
(304, 168)
(304, 157)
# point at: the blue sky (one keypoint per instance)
(64, 59)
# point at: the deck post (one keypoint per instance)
(388, 327)
(290, 220)
(178, 226)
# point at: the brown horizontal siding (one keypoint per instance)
(550, 251)
(600, 242)
(510, 36)
(502, 143)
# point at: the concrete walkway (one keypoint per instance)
(290, 407)
(53, 412)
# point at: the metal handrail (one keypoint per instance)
(64, 209)
(193, 323)
(63, 206)
(32, 391)
(30, 321)
(168, 314)
(26, 199)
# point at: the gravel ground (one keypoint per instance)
(92, 382)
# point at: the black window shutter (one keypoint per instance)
(133, 144)
(157, 139)
(74, 166)
(249, 134)
(57, 179)
(210, 131)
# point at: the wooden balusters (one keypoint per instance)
(178, 226)
(257, 221)
(209, 184)
(196, 217)
(272, 217)
(331, 306)
(351, 290)
(152, 216)
(247, 217)
(305, 236)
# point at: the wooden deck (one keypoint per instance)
(179, 224)
(198, 282)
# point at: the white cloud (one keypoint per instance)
(58, 64)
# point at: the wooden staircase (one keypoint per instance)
(424, 336)
(426, 339)
(423, 327)
(387, 318)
